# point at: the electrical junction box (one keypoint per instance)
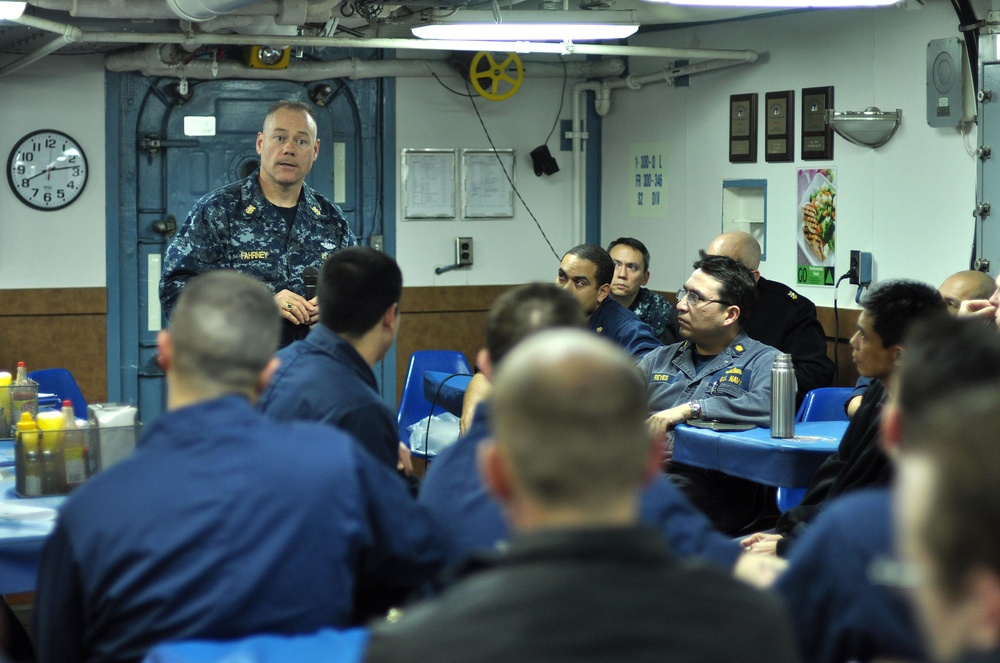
(949, 83)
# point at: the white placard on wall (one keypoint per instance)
(428, 179)
(487, 189)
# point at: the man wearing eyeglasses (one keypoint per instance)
(785, 319)
(716, 373)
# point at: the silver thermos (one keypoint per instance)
(783, 389)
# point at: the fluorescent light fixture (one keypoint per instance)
(787, 4)
(11, 10)
(531, 25)
(868, 128)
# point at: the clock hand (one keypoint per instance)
(49, 170)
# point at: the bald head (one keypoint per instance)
(569, 412)
(968, 284)
(739, 246)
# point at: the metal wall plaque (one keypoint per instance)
(817, 136)
(779, 126)
(743, 128)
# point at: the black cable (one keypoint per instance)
(507, 175)
(448, 88)
(836, 330)
(430, 415)
(562, 97)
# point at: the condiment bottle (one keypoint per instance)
(74, 457)
(25, 443)
(23, 397)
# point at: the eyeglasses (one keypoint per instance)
(694, 299)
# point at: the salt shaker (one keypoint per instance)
(783, 389)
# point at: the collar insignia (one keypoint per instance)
(250, 209)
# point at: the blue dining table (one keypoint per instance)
(755, 455)
(20, 540)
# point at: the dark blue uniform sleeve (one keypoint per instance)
(639, 340)
(373, 428)
(407, 547)
(59, 609)
(687, 530)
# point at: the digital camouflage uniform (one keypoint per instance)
(236, 227)
(652, 308)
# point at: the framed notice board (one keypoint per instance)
(487, 184)
(428, 177)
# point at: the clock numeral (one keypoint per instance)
(71, 184)
(20, 169)
(47, 197)
(76, 172)
(28, 156)
(24, 183)
(50, 143)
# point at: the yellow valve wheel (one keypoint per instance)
(493, 81)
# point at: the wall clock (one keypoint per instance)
(47, 170)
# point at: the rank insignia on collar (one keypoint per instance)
(739, 348)
(250, 209)
(315, 210)
(600, 330)
(792, 294)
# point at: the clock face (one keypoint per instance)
(47, 170)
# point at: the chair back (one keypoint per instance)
(412, 405)
(789, 497)
(824, 404)
(59, 381)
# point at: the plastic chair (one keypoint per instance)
(413, 406)
(788, 498)
(824, 404)
(59, 381)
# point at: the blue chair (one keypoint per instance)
(59, 381)
(413, 406)
(788, 498)
(824, 404)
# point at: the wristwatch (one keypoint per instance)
(695, 409)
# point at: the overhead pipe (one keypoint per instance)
(314, 10)
(168, 60)
(69, 34)
(191, 41)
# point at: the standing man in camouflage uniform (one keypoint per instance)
(631, 273)
(270, 225)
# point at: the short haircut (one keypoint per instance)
(569, 413)
(522, 311)
(635, 244)
(224, 331)
(288, 104)
(356, 287)
(601, 258)
(737, 283)
(897, 304)
(959, 529)
(945, 355)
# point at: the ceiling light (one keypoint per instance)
(787, 4)
(868, 128)
(530, 25)
(11, 10)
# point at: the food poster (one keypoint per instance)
(817, 226)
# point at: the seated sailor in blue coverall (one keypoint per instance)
(224, 523)
(472, 519)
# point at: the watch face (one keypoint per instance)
(47, 170)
